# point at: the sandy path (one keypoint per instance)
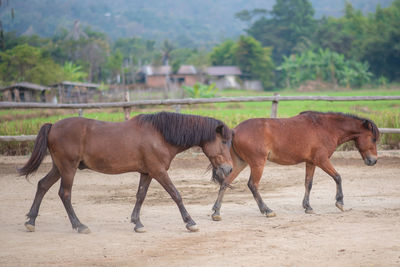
(366, 234)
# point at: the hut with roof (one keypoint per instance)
(26, 92)
(156, 76)
(159, 76)
(187, 75)
(223, 76)
(75, 92)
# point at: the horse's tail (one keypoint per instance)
(38, 153)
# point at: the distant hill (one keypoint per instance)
(186, 22)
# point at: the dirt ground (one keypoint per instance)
(366, 234)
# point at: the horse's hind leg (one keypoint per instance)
(67, 179)
(42, 187)
(254, 180)
(310, 168)
(167, 184)
(144, 184)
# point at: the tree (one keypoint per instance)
(27, 63)
(249, 55)
(223, 54)
(137, 50)
(344, 35)
(114, 63)
(288, 27)
(86, 48)
(166, 48)
(2, 36)
(371, 38)
(380, 45)
(254, 60)
(74, 73)
(190, 56)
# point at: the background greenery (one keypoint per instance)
(185, 22)
(283, 43)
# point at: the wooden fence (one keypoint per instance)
(187, 101)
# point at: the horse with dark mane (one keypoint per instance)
(145, 144)
(309, 137)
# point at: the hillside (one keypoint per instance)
(186, 22)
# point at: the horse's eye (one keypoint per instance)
(224, 142)
(374, 140)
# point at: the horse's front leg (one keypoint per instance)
(329, 169)
(217, 205)
(144, 184)
(238, 166)
(310, 168)
(167, 184)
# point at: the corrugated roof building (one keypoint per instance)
(25, 92)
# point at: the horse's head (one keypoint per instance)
(366, 142)
(218, 153)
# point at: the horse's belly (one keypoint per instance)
(283, 158)
(114, 165)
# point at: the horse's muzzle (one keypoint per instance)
(223, 170)
(370, 161)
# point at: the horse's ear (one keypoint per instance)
(367, 124)
(220, 129)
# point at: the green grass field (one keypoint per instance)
(386, 114)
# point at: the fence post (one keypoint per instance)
(127, 110)
(274, 107)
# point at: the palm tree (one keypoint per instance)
(166, 48)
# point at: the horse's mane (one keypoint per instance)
(375, 130)
(185, 130)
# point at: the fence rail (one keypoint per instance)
(189, 101)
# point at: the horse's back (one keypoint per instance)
(73, 131)
(284, 141)
(108, 147)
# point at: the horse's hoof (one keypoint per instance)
(339, 206)
(83, 230)
(216, 217)
(192, 228)
(140, 229)
(270, 214)
(309, 211)
(30, 227)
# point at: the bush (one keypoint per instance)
(200, 90)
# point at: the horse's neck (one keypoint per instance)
(348, 130)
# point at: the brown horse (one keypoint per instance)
(145, 144)
(309, 137)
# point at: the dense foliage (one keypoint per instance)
(364, 40)
(285, 44)
(324, 65)
(186, 23)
